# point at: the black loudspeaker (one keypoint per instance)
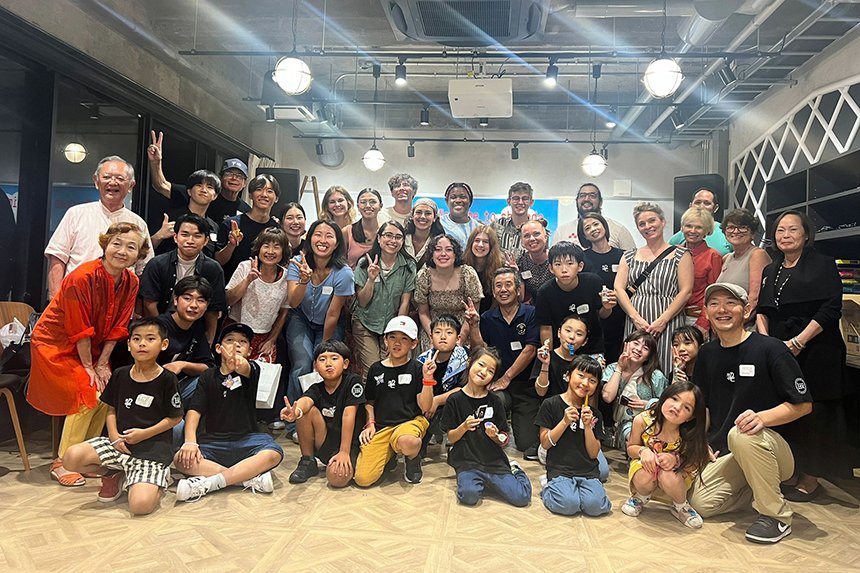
(289, 181)
(687, 185)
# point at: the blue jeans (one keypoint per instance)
(303, 336)
(515, 489)
(228, 453)
(572, 495)
(602, 467)
(187, 387)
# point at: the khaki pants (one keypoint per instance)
(751, 473)
(374, 455)
(369, 347)
(80, 427)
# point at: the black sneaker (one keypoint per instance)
(767, 530)
(531, 453)
(306, 469)
(412, 470)
(391, 464)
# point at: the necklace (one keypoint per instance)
(778, 286)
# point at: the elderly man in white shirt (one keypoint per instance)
(76, 239)
(590, 200)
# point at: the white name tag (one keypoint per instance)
(213, 237)
(488, 413)
(143, 400)
(327, 290)
(583, 309)
(516, 345)
(614, 268)
(526, 274)
(404, 378)
(747, 370)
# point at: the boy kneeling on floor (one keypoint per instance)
(398, 390)
(231, 451)
(328, 417)
(143, 405)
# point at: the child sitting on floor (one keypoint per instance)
(478, 432)
(143, 405)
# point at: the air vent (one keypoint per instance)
(467, 22)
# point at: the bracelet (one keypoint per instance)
(299, 412)
(191, 444)
(640, 451)
(370, 423)
(539, 385)
(304, 283)
(549, 437)
(796, 343)
(544, 369)
(429, 382)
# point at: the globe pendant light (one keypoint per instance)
(662, 78)
(292, 75)
(75, 152)
(373, 160)
(594, 164)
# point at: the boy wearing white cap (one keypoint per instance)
(398, 390)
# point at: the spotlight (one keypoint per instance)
(678, 118)
(322, 114)
(596, 70)
(292, 75)
(410, 149)
(726, 75)
(320, 149)
(610, 120)
(594, 164)
(373, 160)
(75, 152)
(662, 78)
(515, 151)
(484, 121)
(270, 114)
(551, 78)
(94, 111)
(425, 117)
(400, 75)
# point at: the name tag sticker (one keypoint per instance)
(614, 268)
(327, 290)
(404, 378)
(583, 309)
(516, 345)
(746, 370)
(144, 400)
(213, 237)
(526, 274)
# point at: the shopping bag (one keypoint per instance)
(12, 333)
(267, 387)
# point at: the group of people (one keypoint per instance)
(400, 329)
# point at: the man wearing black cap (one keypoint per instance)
(751, 385)
(234, 174)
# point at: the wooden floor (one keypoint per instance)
(394, 527)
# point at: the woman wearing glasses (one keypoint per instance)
(358, 238)
(384, 283)
(743, 266)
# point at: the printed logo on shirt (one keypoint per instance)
(176, 401)
(800, 385)
(357, 390)
(380, 379)
(521, 329)
(730, 376)
(128, 403)
(604, 268)
(329, 412)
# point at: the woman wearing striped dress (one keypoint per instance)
(658, 302)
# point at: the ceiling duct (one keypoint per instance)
(467, 22)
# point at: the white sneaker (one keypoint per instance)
(262, 483)
(687, 515)
(277, 425)
(191, 489)
(543, 481)
(634, 506)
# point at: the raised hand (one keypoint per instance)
(510, 260)
(228, 358)
(587, 416)
(471, 315)
(624, 362)
(305, 270)
(288, 412)
(153, 151)
(373, 268)
(543, 351)
(492, 431)
(428, 369)
(254, 273)
(166, 230)
(471, 423)
(235, 237)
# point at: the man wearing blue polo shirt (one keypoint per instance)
(511, 328)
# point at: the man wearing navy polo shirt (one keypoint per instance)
(511, 328)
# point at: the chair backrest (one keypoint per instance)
(9, 311)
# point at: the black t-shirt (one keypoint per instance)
(250, 229)
(187, 345)
(758, 374)
(143, 405)
(569, 456)
(218, 210)
(231, 413)
(394, 392)
(439, 375)
(350, 392)
(605, 265)
(475, 450)
(554, 304)
(557, 369)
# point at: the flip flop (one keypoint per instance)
(71, 479)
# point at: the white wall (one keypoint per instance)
(553, 170)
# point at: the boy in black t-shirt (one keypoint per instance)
(328, 417)
(751, 385)
(571, 431)
(231, 451)
(477, 430)
(143, 405)
(396, 399)
(572, 292)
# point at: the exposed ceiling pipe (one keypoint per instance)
(736, 43)
(625, 9)
(332, 155)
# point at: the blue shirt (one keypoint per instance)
(317, 299)
(510, 339)
(716, 240)
(459, 231)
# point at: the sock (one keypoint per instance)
(680, 506)
(643, 498)
(216, 482)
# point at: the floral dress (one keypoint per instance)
(447, 301)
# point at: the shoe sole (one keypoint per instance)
(109, 499)
(766, 540)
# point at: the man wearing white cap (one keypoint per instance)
(751, 385)
(398, 390)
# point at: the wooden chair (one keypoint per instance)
(9, 382)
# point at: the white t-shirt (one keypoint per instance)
(76, 239)
(262, 301)
(185, 268)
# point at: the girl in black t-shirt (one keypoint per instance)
(686, 342)
(552, 364)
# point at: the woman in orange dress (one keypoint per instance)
(73, 339)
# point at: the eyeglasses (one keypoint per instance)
(588, 195)
(392, 236)
(523, 199)
(234, 174)
(737, 229)
(108, 177)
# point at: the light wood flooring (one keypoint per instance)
(393, 527)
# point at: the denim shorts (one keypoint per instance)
(228, 453)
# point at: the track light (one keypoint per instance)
(400, 75)
(594, 164)
(484, 121)
(551, 78)
(515, 151)
(726, 74)
(596, 70)
(662, 78)
(270, 114)
(373, 160)
(425, 117)
(292, 75)
(610, 120)
(94, 111)
(320, 149)
(679, 118)
(410, 149)
(322, 114)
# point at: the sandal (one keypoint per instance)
(800, 495)
(70, 479)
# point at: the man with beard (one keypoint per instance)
(590, 200)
